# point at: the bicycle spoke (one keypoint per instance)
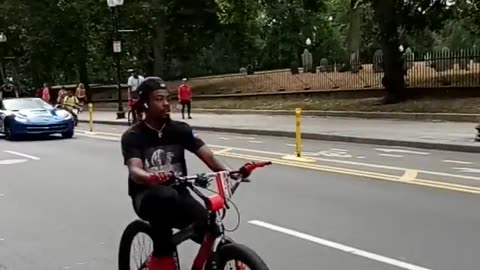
(141, 249)
(236, 265)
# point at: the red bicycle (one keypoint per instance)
(217, 249)
(132, 115)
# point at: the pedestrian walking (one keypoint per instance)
(185, 98)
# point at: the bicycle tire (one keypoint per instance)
(239, 252)
(129, 117)
(134, 228)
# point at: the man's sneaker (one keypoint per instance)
(164, 263)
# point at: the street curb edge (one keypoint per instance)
(328, 137)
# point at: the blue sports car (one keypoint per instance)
(33, 116)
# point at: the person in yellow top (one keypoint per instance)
(70, 101)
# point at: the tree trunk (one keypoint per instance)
(355, 32)
(387, 19)
(159, 47)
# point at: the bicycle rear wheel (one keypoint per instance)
(130, 117)
(127, 246)
(239, 257)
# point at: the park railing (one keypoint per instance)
(432, 70)
(436, 69)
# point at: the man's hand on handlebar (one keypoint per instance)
(168, 178)
(246, 170)
(161, 177)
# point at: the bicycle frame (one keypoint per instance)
(215, 235)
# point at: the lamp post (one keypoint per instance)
(3, 39)
(308, 42)
(477, 138)
(117, 49)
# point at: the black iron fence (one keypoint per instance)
(436, 69)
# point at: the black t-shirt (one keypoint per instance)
(165, 153)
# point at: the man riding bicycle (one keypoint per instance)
(151, 149)
(133, 82)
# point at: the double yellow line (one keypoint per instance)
(372, 175)
(226, 152)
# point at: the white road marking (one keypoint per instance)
(116, 139)
(255, 141)
(457, 162)
(244, 138)
(338, 149)
(338, 246)
(390, 155)
(402, 151)
(409, 175)
(361, 157)
(355, 163)
(222, 151)
(291, 144)
(468, 170)
(329, 153)
(1, 194)
(224, 138)
(22, 154)
(12, 161)
(2, 239)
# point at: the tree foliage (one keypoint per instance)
(67, 41)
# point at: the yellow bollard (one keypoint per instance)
(298, 132)
(90, 116)
(298, 140)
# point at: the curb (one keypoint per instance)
(327, 137)
(449, 117)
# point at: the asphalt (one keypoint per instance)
(450, 136)
(65, 204)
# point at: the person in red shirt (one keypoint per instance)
(46, 93)
(185, 98)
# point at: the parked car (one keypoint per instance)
(33, 116)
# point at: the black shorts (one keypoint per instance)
(134, 95)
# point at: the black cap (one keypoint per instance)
(149, 85)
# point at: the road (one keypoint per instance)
(64, 204)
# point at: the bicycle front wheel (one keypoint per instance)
(239, 257)
(140, 249)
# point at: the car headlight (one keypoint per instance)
(21, 118)
(65, 114)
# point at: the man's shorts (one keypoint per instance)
(134, 95)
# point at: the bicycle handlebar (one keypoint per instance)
(225, 187)
(245, 170)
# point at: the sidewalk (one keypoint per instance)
(452, 136)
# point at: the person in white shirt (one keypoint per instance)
(133, 82)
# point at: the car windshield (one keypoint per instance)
(26, 104)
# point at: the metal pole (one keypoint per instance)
(298, 132)
(120, 112)
(477, 138)
(2, 60)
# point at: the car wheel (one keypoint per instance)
(68, 134)
(8, 133)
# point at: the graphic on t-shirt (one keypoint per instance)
(165, 158)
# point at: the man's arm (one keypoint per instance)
(195, 145)
(133, 159)
(130, 84)
(208, 157)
